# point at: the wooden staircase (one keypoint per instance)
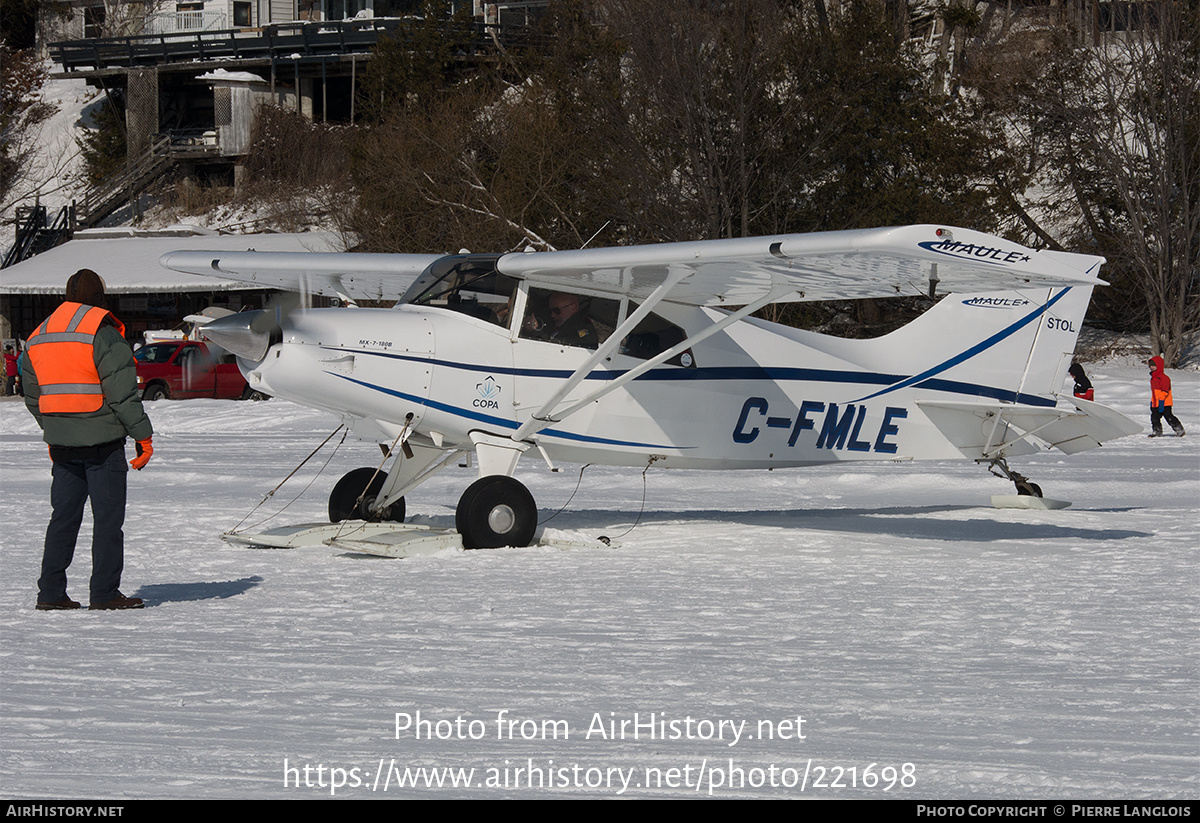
(35, 234)
(125, 184)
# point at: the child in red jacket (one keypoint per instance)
(1160, 399)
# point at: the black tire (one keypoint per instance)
(496, 511)
(156, 392)
(1029, 489)
(351, 498)
(254, 394)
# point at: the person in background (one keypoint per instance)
(1160, 399)
(1083, 386)
(10, 371)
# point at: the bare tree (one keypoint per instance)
(129, 18)
(661, 120)
(445, 176)
(23, 113)
(708, 87)
(1109, 142)
(1145, 141)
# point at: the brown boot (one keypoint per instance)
(57, 605)
(118, 602)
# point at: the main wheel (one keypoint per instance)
(496, 511)
(351, 498)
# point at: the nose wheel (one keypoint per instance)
(351, 498)
(496, 511)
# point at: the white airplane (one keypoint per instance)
(645, 355)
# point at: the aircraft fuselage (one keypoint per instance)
(755, 395)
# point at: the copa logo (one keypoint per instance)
(488, 393)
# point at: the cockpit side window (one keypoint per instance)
(569, 318)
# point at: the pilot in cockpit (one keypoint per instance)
(568, 325)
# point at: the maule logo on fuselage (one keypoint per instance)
(986, 254)
(997, 302)
(488, 392)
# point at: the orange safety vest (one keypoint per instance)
(63, 359)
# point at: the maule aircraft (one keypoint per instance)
(643, 355)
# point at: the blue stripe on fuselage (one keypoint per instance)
(774, 374)
(500, 422)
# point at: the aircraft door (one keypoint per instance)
(559, 331)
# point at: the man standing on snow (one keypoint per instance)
(81, 385)
(1160, 399)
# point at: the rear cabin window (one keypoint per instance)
(654, 335)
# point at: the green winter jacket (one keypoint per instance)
(121, 415)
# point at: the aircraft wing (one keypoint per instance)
(359, 276)
(837, 265)
(841, 265)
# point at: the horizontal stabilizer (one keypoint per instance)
(986, 430)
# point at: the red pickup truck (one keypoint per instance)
(180, 369)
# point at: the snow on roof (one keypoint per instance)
(223, 76)
(127, 259)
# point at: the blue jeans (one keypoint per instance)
(98, 474)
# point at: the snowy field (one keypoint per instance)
(845, 632)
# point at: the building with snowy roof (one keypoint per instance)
(142, 294)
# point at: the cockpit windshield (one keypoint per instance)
(468, 284)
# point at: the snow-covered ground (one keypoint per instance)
(878, 618)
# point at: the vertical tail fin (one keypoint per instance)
(1054, 344)
(1007, 346)
(1012, 347)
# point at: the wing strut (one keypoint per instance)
(543, 418)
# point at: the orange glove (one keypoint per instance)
(144, 449)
